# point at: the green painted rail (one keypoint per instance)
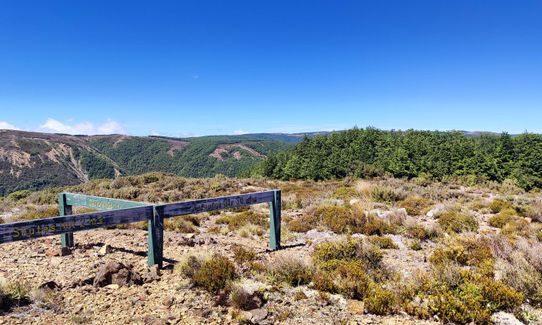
(114, 212)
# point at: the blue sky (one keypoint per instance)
(222, 67)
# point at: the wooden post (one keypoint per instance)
(66, 240)
(156, 238)
(274, 221)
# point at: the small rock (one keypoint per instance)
(502, 318)
(106, 249)
(112, 286)
(116, 273)
(258, 315)
(356, 307)
(63, 251)
(152, 275)
(168, 301)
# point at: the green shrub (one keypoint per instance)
(345, 193)
(474, 299)
(348, 249)
(40, 213)
(380, 301)
(502, 218)
(453, 221)
(374, 225)
(343, 277)
(243, 254)
(498, 204)
(383, 242)
(518, 227)
(189, 265)
(19, 195)
(347, 267)
(415, 205)
(338, 219)
(468, 251)
(385, 195)
(289, 270)
(14, 294)
(214, 274)
(236, 221)
(420, 232)
(303, 223)
(181, 224)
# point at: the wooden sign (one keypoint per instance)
(116, 212)
(59, 225)
(218, 203)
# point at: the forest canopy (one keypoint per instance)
(436, 155)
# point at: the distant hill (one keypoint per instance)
(31, 160)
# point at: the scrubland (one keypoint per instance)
(354, 251)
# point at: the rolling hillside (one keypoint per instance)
(31, 160)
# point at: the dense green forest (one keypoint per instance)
(431, 154)
(138, 155)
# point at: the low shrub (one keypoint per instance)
(415, 205)
(502, 218)
(19, 195)
(39, 213)
(211, 273)
(519, 265)
(237, 220)
(385, 194)
(289, 270)
(383, 242)
(457, 295)
(519, 228)
(14, 294)
(498, 204)
(534, 211)
(243, 254)
(380, 301)
(348, 249)
(303, 224)
(421, 233)
(347, 267)
(454, 221)
(374, 225)
(343, 277)
(345, 193)
(182, 225)
(467, 251)
(214, 274)
(473, 299)
(338, 219)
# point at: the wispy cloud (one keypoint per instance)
(7, 126)
(240, 132)
(108, 127)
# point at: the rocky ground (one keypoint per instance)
(105, 278)
(164, 299)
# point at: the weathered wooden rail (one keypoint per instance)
(114, 212)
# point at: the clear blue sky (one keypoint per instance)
(222, 67)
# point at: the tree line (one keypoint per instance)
(436, 155)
